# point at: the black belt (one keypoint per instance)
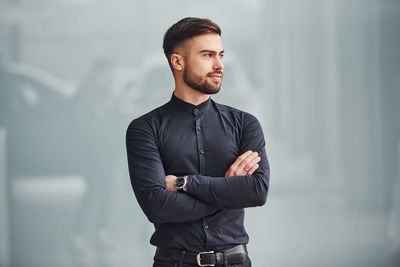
(235, 255)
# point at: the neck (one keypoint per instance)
(190, 95)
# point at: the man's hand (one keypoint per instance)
(170, 182)
(245, 165)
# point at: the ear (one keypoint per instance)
(177, 62)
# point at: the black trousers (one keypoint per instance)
(164, 263)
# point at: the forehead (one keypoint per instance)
(208, 41)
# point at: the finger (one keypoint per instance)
(247, 160)
(252, 170)
(253, 162)
(251, 166)
(240, 169)
(233, 169)
(240, 159)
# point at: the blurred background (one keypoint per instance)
(321, 76)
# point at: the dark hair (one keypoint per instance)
(184, 29)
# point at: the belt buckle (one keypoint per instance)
(198, 258)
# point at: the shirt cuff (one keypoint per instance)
(189, 182)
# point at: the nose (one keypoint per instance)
(218, 65)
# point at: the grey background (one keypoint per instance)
(321, 76)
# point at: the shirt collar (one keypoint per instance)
(190, 107)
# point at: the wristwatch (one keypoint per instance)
(180, 183)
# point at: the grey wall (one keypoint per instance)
(321, 76)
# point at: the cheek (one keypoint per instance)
(203, 63)
(200, 67)
(205, 67)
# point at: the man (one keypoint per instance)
(195, 164)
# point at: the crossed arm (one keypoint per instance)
(245, 165)
(238, 189)
(245, 183)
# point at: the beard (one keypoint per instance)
(196, 82)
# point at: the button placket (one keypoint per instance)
(201, 150)
(197, 127)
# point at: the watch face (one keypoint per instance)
(179, 182)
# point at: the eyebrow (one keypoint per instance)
(211, 51)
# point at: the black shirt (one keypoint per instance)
(201, 141)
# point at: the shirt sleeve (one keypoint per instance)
(148, 181)
(237, 191)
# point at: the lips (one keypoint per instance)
(215, 76)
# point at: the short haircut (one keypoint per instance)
(185, 29)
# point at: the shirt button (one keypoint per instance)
(196, 110)
(206, 226)
(198, 128)
(201, 151)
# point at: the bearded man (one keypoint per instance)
(194, 164)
